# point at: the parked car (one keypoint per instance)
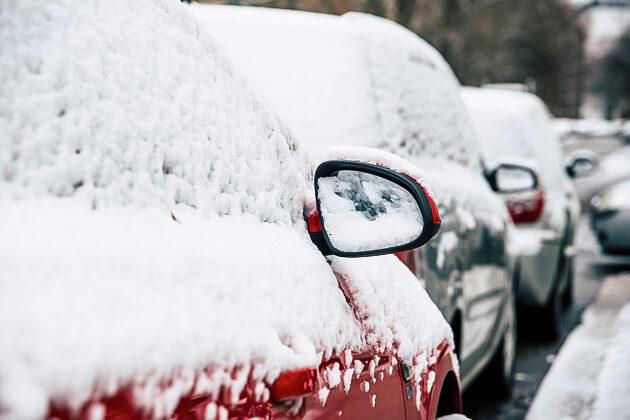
(610, 218)
(592, 175)
(362, 80)
(515, 125)
(168, 252)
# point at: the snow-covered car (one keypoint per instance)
(592, 175)
(610, 218)
(362, 80)
(164, 237)
(515, 126)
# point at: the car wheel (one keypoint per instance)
(498, 377)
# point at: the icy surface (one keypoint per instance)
(363, 212)
(511, 123)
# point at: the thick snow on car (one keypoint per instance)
(158, 220)
(512, 125)
(362, 80)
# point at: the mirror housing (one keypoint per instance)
(401, 201)
(580, 163)
(512, 178)
(522, 194)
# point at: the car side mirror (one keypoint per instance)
(367, 209)
(581, 163)
(512, 178)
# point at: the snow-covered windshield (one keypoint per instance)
(363, 212)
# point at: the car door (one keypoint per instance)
(466, 272)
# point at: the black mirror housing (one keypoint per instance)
(527, 178)
(581, 162)
(390, 180)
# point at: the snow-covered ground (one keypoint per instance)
(590, 376)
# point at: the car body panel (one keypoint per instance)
(613, 168)
(612, 230)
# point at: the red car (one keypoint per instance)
(373, 384)
(169, 251)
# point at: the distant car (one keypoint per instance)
(515, 125)
(169, 251)
(593, 175)
(610, 218)
(362, 80)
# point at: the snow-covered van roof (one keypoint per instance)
(148, 200)
(354, 79)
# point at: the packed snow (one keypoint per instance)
(363, 81)
(361, 211)
(350, 80)
(588, 378)
(378, 286)
(148, 200)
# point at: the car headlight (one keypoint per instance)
(617, 198)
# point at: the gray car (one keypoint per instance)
(512, 126)
(610, 218)
(592, 176)
(366, 81)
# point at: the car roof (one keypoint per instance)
(353, 79)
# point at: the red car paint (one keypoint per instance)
(313, 393)
(379, 393)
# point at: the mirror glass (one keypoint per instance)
(581, 167)
(365, 212)
(514, 179)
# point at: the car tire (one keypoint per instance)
(498, 377)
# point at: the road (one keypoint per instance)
(534, 358)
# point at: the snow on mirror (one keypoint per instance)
(364, 212)
(514, 179)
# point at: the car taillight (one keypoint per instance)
(294, 384)
(525, 207)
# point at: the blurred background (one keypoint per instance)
(574, 54)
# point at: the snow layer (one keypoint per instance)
(148, 199)
(363, 212)
(589, 376)
(75, 120)
(517, 124)
(121, 293)
(349, 80)
(362, 81)
(378, 288)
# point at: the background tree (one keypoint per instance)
(612, 80)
